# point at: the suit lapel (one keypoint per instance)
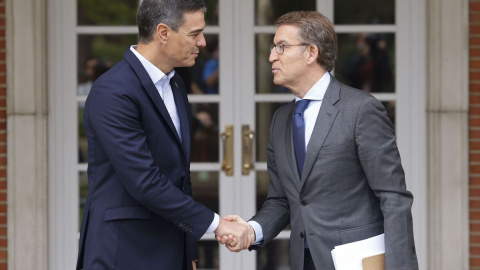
(325, 119)
(175, 84)
(150, 89)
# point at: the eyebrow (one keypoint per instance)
(196, 31)
(280, 41)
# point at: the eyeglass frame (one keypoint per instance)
(283, 46)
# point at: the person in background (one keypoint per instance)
(210, 69)
(94, 68)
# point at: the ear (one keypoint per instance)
(163, 32)
(312, 54)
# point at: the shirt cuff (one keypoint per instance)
(258, 232)
(214, 225)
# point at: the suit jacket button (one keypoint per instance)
(301, 235)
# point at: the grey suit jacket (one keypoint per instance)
(352, 185)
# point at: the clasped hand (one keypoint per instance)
(235, 233)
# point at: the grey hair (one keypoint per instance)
(315, 29)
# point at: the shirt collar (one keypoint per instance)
(155, 73)
(317, 92)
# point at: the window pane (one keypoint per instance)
(205, 135)
(211, 17)
(107, 12)
(274, 256)
(202, 78)
(364, 12)
(263, 75)
(82, 192)
(98, 53)
(366, 61)
(208, 257)
(267, 11)
(82, 137)
(264, 114)
(205, 188)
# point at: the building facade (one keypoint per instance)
(433, 96)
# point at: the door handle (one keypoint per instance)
(227, 138)
(247, 149)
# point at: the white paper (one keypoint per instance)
(349, 256)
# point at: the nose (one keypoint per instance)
(273, 55)
(201, 41)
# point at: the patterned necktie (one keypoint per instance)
(298, 131)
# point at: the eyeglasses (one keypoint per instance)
(280, 48)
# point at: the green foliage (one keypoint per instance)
(107, 12)
(111, 47)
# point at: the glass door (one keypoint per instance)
(210, 96)
(261, 98)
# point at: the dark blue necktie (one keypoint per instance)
(298, 132)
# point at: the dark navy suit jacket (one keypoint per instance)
(139, 213)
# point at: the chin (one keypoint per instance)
(277, 82)
(188, 64)
(191, 63)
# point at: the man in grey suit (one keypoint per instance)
(335, 170)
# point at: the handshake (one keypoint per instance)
(235, 233)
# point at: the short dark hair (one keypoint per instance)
(151, 13)
(315, 29)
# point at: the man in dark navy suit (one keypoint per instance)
(139, 212)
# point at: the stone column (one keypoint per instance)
(27, 135)
(447, 117)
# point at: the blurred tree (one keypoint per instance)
(267, 11)
(111, 47)
(107, 12)
(364, 12)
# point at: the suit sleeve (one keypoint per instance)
(274, 215)
(380, 159)
(116, 121)
(191, 241)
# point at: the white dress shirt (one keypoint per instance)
(315, 95)
(162, 83)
